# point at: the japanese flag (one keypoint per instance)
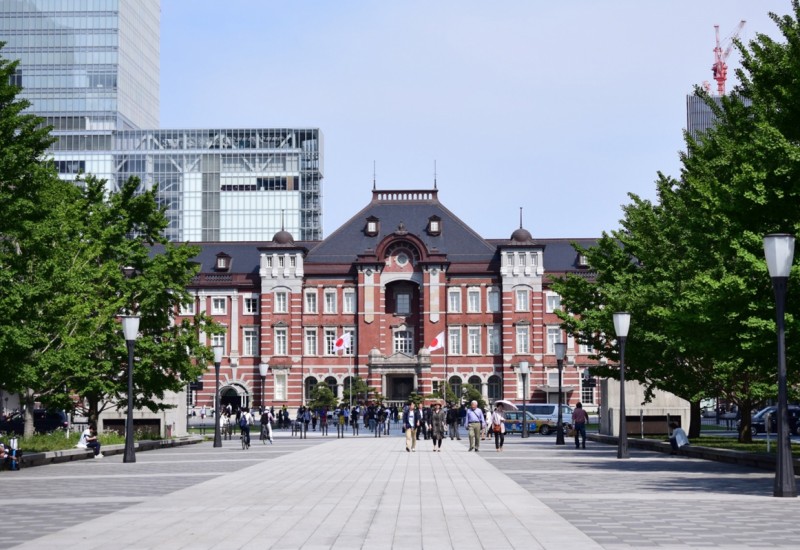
(437, 342)
(342, 342)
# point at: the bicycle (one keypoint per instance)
(245, 441)
(263, 437)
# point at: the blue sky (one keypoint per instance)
(561, 108)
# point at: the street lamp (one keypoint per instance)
(262, 370)
(524, 370)
(622, 322)
(779, 250)
(130, 328)
(217, 361)
(561, 351)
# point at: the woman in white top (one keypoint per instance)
(498, 427)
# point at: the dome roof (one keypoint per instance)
(283, 237)
(521, 235)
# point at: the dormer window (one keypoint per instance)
(583, 261)
(223, 262)
(372, 227)
(434, 225)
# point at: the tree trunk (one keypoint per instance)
(28, 403)
(745, 412)
(695, 419)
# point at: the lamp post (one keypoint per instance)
(130, 328)
(262, 370)
(779, 251)
(524, 370)
(561, 351)
(217, 361)
(622, 322)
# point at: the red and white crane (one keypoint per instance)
(720, 69)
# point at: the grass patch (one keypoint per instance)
(58, 441)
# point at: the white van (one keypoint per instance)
(546, 415)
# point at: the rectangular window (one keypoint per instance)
(349, 349)
(553, 336)
(311, 341)
(330, 341)
(474, 340)
(251, 306)
(250, 342)
(454, 341)
(187, 309)
(454, 300)
(281, 302)
(587, 392)
(311, 301)
(522, 300)
(403, 342)
(474, 300)
(292, 261)
(280, 387)
(403, 303)
(493, 300)
(218, 340)
(493, 334)
(349, 301)
(219, 305)
(281, 342)
(552, 378)
(553, 303)
(330, 300)
(523, 339)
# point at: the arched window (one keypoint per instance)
(332, 384)
(310, 383)
(495, 387)
(455, 386)
(475, 382)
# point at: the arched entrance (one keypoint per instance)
(234, 395)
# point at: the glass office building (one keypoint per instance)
(90, 68)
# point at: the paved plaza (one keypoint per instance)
(366, 492)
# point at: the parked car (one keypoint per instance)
(759, 420)
(546, 415)
(44, 421)
(514, 422)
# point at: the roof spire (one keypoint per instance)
(374, 186)
(282, 227)
(434, 173)
(520, 217)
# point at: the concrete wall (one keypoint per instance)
(663, 403)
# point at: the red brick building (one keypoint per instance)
(399, 273)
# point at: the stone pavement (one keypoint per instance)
(367, 492)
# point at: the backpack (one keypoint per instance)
(243, 421)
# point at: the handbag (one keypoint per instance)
(496, 428)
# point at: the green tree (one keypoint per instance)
(359, 391)
(690, 268)
(322, 397)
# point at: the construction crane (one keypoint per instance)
(720, 69)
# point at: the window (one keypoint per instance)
(553, 302)
(587, 390)
(553, 336)
(349, 349)
(455, 386)
(552, 378)
(474, 300)
(403, 303)
(454, 300)
(281, 261)
(251, 306)
(523, 339)
(281, 343)
(292, 261)
(493, 334)
(403, 342)
(330, 300)
(474, 340)
(269, 261)
(311, 341)
(493, 300)
(281, 302)
(585, 349)
(219, 305)
(434, 225)
(280, 386)
(495, 387)
(372, 226)
(311, 301)
(522, 300)
(454, 341)
(349, 301)
(330, 341)
(250, 341)
(523, 259)
(187, 309)
(218, 340)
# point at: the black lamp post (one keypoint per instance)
(217, 361)
(262, 370)
(622, 322)
(130, 328)
(524, 370)
(779, 250)
(561, 351)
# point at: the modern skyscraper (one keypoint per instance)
(91, 69)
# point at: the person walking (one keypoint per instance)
(411, 421)
(579, 420)
(266, 426)
(475, 423)
(499, 427)
(453, 422)
(438, 422)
